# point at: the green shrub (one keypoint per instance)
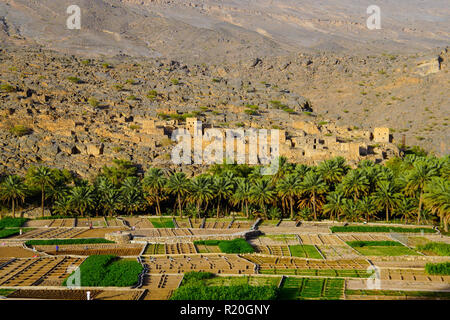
(19, 130)
(108, 271)
(175, 81)
(441, 249)
(74, 80)
(379, 229)
(438, 268)
(132, 97)
(6, 87)
(93, 102)
(193, 277)
(66, 241)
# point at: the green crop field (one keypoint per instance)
(162, 222)
(305, 251)
(351, 273)
(310, 288)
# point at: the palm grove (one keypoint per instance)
(411, 189)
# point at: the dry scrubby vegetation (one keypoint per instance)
(414, 188)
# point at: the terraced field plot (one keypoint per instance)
(320, 239)
(217, 224)
(381, 248)
(52, 233)
(98, 232)
(310, 288)
(15, 252)
(76, 294)
(95, 222)
(113, 222)
(160, 287)
(395, 294)
(235, 281)
(201, 248)
(338, 252)
(31, 272)
(305, 251)
(274, 250)
(93, 249)
(170, 248)
(138, 222)
(229, 264)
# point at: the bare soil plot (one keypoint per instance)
(118, 295)
(29, 272)
(364, 237)
(160, 287)
(58, 294)
(338, 252)
(230, 264)
(58, 223)
(237, 224)
(266, 262)
(113, 222)
(97, 232)
(51, 233)
(274, 250)
(170, 248)
(86, 222)
(93, 249)
(139, 222)
(37, 223)
(16, 252)
(217, 224)
(320, 239)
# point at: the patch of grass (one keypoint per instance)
(6, 233)
(305, 251)
(438, 268)
(6, 292)
(438, 248)
(379, 229)
(93, 102)
(381, 248)
(235, 246)
(10, 222)
(108, 271)
(75, 80)
(359, 244)
(228, 246)
(66, 241)
(19, 130)
(6, 87)
(162, 223)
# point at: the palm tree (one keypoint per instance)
(421, 174)
(335, 205)
(287, 189)
(437, 199)
(108, 195)
(242, 194)
(223, 189)
(154, 183)
(132, 196)
(82, 199)
(386, 196)
(62, 206)
(13, 190)
(331, 172)
(201, 191)
(405, 208)
(262, 193)
(355, 184)
(178, 185)
(351, 210)
(42, 177)
(314, 188)
(367, 207)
